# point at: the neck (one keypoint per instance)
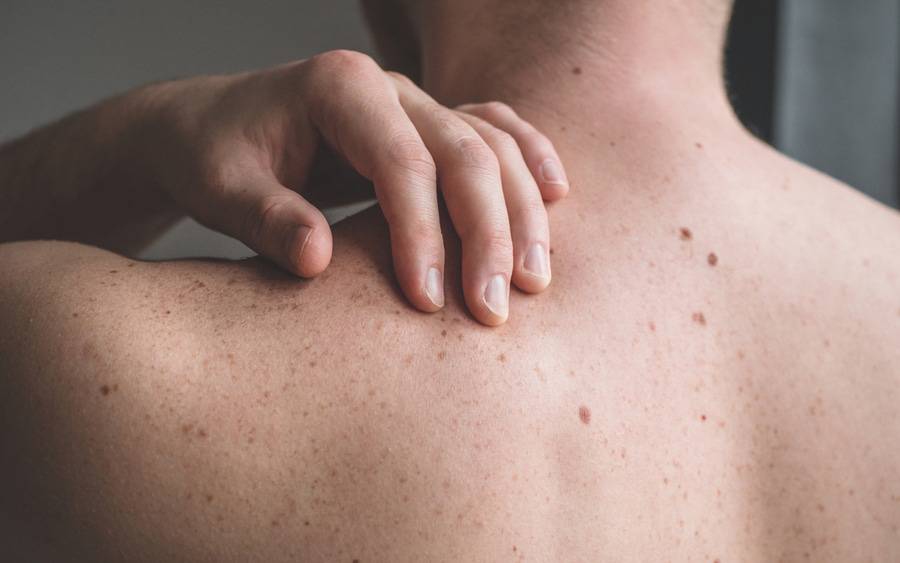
(580, 60)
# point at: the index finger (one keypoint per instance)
(357, 110)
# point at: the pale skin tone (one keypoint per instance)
(714, 373)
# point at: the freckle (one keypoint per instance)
(501, 358)
(698, 145)
(131, 265)
(699, 318)
(712, 259)
(652, 326)
(741, 355)
(114, 271)
(703, 418)
(312, 364)
(442, 355)
(576, 71)
(168, 312)
(74, 315)
(202, 433)
(187, 428)
(443, 333)
(612, 143)
(306, 522)
(514, 548)
(274, 523)
(827, 343)
(551, 253)
(209, 498)
(104, 389)
(686, 233)
(584, 413)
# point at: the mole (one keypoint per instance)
(699, 145)
(114, 271)
(104, 390)
(703, 418)
(442, 355)
(699, 318)
(584, 414)
(576, 71)
(501, 358)
(444, 332)
(712, 259)
(686, 233)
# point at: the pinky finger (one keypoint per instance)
(539, 153)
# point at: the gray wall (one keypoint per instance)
(837, 90)
(836, 103)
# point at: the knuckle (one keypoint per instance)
(504, 142)
(497, 241)
(400, 77)
(260, 220)
(472, 151)
(497, 110)
(408, 154)
(342, 64)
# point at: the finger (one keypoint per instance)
(275, 222)
(355, 107)
(540, 154)
(469, 177)
(528, 221)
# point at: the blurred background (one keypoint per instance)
(819, 79)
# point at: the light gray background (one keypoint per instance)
(836, 101)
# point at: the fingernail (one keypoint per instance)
(551, 172)
(496, 296)
(434, 287)
(536, 262)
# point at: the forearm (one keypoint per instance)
(86, 178)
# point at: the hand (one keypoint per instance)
(238, 151)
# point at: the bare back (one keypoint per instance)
(714, 375)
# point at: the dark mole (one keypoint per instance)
(104, 389)
(443, 333)
(168, 312)
(703, 418)
(576, 70)
(584, 414)
(202, 433)
(551, 250)
(306, 522)
(209, 498)
(686, 233)
(114, 271)
(699, 318)
(712, 259)
(74, 315)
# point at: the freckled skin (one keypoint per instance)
(190, 460)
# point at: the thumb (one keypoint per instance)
(276, 223)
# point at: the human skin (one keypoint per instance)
(242, 153)
(712, 376)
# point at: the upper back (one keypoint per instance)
(713, 373)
